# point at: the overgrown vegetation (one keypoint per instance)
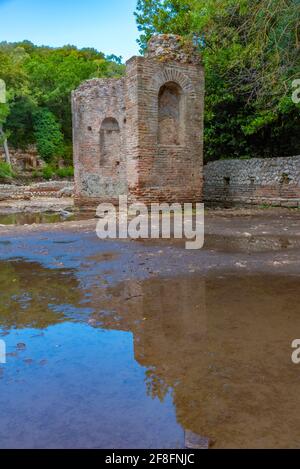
(5, 171)
(251, 53)
(51, 171)
(39, 83)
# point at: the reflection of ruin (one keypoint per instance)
(168, 320)
(142, 135)
(227, 367)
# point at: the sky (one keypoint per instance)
(107, 25)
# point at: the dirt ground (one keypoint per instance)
(244, 240)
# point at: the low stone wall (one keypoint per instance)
(43, 189)
(272, 181)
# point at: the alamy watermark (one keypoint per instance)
(296, 353)
(2, 352)
(296, 92)
(159, 221)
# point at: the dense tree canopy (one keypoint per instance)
(251, 53)
(39, 82)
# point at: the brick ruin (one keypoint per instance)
(142, 135)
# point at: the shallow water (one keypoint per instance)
(97, 363)
(31, 218)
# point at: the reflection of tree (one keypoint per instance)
(156, 385)
(30, 293)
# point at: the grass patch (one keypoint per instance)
(5, 171)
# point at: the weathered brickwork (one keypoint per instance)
(274, 181)
(142, 135)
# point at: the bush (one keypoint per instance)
(49, 138)
(65, 172)
(47, 173)
(36, 174)
(5, 171)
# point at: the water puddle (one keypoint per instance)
(31, 218)
(251, 243)
(134, 365)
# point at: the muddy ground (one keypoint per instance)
(238, 239)
(129, 344)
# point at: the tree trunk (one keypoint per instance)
(5, 146)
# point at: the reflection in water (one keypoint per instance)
(33, 296)
(219, 346)
(222, 345)
(23, 218)
(31, 218)
(251, 243)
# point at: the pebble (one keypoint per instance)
(21, 347)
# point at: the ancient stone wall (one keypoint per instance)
(24, 160)
(99, 142)
(41, 189)
(274, 181)
(142, 135)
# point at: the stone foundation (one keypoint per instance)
(43, 189)
(24, 160)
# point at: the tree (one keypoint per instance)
(250, 50)
(20, 122)
(42, 78)
(49, 138)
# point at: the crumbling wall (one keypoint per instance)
(99, 141)
(24, 160)
(142, 135)
(165, 96)
(274, 181)
(49, 189)
(169, 155)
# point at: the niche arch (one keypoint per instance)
(171, 74)
(170, 114)
(110, 143)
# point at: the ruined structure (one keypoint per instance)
(142, 135)
(270, 181)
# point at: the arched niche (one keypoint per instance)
(110, 142)
(170, 115)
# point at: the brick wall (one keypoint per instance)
(142, 135)
(274, 181)
(161, 170)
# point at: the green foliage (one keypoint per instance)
(47, 173)
(20, 122)
(5, 171)
(4, 111)
(251, 53)
(48, 135)
(67, 172)
(50, 171)
(39, 78)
